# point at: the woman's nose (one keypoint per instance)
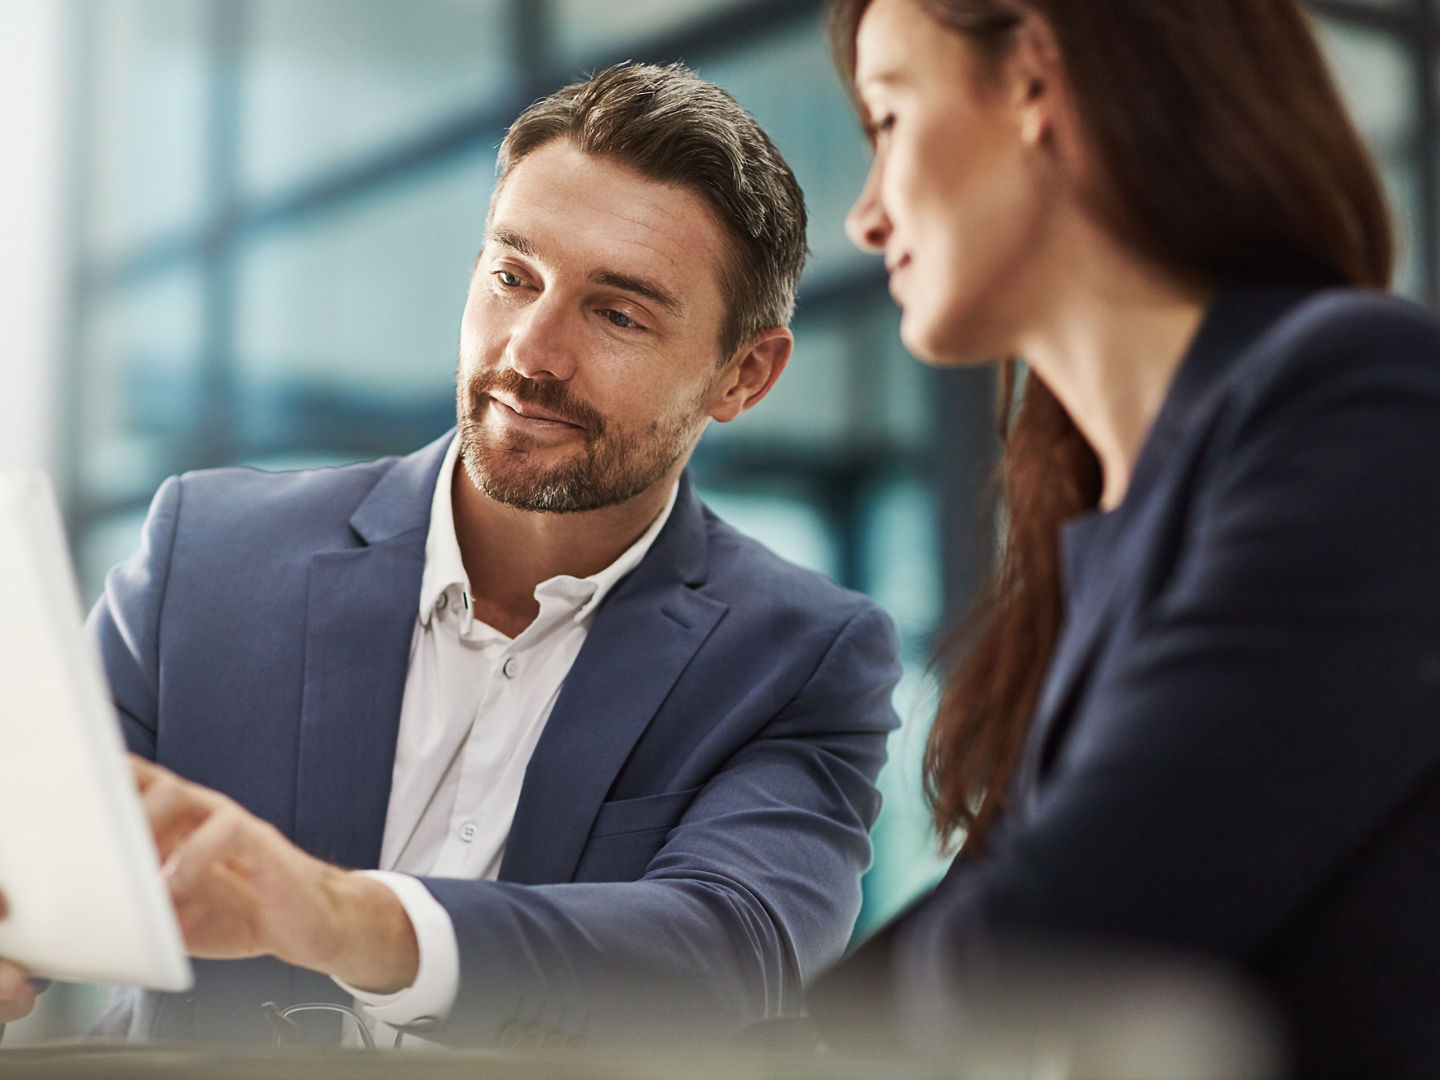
(867, 224)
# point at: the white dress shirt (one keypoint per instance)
(475, 704)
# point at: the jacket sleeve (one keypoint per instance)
(125, 623)
(755, 888)
(1269, 723)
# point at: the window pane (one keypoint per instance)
(907, 857)
(788, 82)
(850, 388)
(784, 517)
(139, 400)
(902, 557)
(148, 117)
(348, 323)
(1376, 76)
(327, 81)
(107, 542)
(586, 31)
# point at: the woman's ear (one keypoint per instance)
(1046, 106)
(1037, 79)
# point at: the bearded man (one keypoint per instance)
(511, 740)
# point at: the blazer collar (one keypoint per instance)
(644, 636)
(681, 553)
(1237, 317)
(401, 500)
(360, 614)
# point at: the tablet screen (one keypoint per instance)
(77, 862)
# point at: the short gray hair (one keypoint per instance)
(671, 126)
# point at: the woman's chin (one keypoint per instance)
(924, 340)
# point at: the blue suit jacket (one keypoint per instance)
(693, 822)
(1236, 753)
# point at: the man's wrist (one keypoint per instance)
(370, 943)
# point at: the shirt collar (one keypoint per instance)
(445, 568)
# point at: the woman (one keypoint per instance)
(1199, 709)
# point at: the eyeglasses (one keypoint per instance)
(289, 1033)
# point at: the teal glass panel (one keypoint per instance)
(148, 114)
(783, 517)
(1377, 78)
(850, 389)
(348, 321)
(106, 543)
(327, 82)
(585, 32)
(908, 857)
(140, 398)
(788, 82)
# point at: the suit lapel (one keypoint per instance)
(645, 634)
(360, 616)
(1236, 318)
(1074, 656)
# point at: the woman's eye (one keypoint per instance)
(620, 319)
(883, 126)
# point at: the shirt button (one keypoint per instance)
(508, 668)
(443, 602)
(467, 831)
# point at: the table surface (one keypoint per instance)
(121, 1061)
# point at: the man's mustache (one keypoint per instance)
(553, 397)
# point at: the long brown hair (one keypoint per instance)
(1225, 155)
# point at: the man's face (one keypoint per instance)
(590, 344)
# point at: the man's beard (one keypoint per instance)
(615, 466)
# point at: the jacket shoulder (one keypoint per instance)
(234, 502)
(743, 570)
(1342, 326)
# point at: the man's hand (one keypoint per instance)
(240, 888)
(17, 996)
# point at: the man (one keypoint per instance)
(619, 767)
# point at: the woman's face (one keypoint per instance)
(958, 196)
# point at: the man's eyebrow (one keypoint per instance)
(514, 241)
(640, 287)
(612, 278)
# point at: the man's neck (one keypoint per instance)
(507, 552)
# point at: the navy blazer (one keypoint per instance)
(693, 823)
(1236, 752)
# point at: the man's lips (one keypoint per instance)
(529, 411)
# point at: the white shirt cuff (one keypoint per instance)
(428, 1000)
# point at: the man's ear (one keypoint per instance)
(751, 373)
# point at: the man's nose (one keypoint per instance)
(867, 224)
(542, 344)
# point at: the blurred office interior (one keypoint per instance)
(240, 231)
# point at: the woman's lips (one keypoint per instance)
(894, 271)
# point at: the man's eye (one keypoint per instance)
(509, 280)
(620, 319)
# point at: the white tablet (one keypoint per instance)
(77, 862)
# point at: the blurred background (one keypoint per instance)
(240, 231)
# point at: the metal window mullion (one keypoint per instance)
(214, 438)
